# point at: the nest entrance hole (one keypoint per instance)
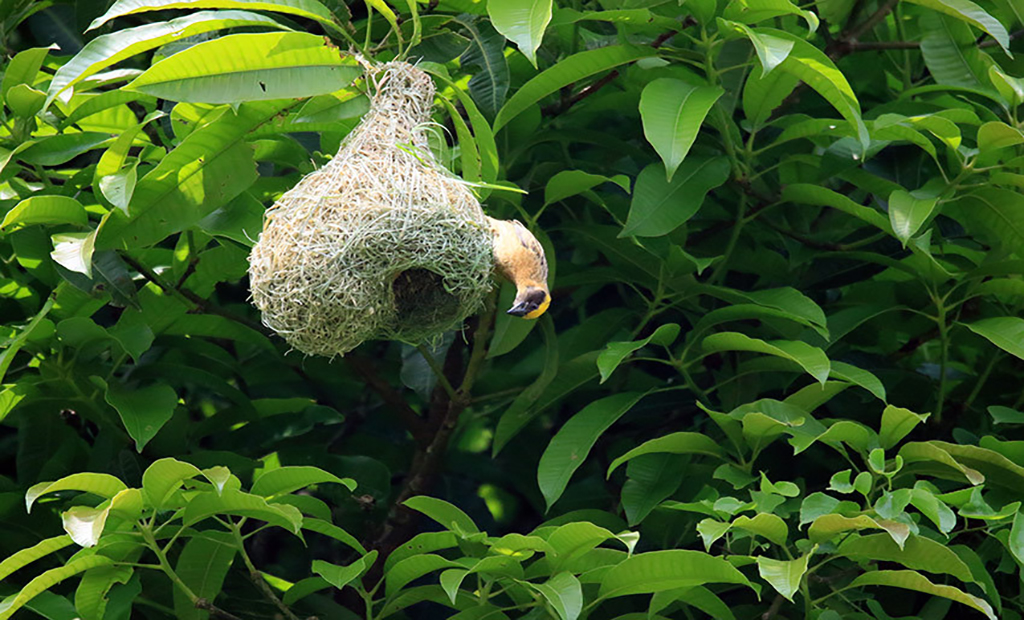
(422, 299)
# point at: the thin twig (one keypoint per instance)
(215, 612)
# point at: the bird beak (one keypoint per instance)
(523, 308)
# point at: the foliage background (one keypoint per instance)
(780, 377)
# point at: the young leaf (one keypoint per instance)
(784, 576)
(444, 513)
(284, 480)
(811, 359)
(564, 593)
(907, 213)
(163, 477)
(1006, 332)
(49, 579)
(673, 443)
(646, 573)
(912, 580)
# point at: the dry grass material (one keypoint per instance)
(380, 243)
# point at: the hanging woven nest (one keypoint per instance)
(380, 243)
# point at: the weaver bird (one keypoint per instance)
(520, 257)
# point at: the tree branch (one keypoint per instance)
(412, 421)
(426, 463)
(215, 612)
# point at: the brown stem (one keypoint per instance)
(993, 42)
(773, 610)
(426, 463)
(412, 421)
(215, 612)
(865, 26)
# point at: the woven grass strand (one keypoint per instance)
(380, 243)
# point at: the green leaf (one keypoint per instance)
(572, 182)
(340, 576)
(918, 553)
(249, 67)
(951, 53)
(995, 135)
(650, 480)
(804, 193)
(814, 68)
(46, 210)
(163, 477)
(91, 596)
(567, 71)
(309, 9)
(754, 11)
(764, 524)
(564, 593)
(207, 170)
(18, 341)
(109, 49)
(897, 423)
(646, 573)
(992, 213)
(447, 515)
(284, 480)
(229, 501)
(771, 51)
(971, 13)
(660, 206)
(826, 526)
(762, 95)
(907, 213)
(811, 359)
(143, 411)
(784, 576)
(1006, 332)
(203, 564)
(1016, 540)
(571, 445)
(104, 485)
(615, 352)
(674, 443)
(23, 557)
(49, 579)
(1005, 415)
(413, 568)
(489, 85)
(23, 69)
(912, 580)
(935, 509)
(672, 112)
(523, 22)
(329, 529)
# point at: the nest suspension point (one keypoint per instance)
(382, 242)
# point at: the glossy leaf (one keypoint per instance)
(672, 113)
(912, 580)
(523, 22)
(660, 206)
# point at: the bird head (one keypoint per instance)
(530, 302)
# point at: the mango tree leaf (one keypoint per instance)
(413, 568)
(73, 251)
(660, 206)
(143, 411)
(672, 112)
(571, 445)
(109, 49)
(46, 210)
(340, 576)
(567, 71)
(996, 135)
(523, 22)
(23, 557)
(249, 67)
(771, 51)
(811, 359)
(615, 352)
(646, 573)
(49, 579)
(163, 477)
(913, 580)
(285, 480)
(309, 9)
(91, 596)
(783, 575)
(564, 593)
(969, 12)
(935, 509)
(104, 485)
(572, 182)
(951, 53)
(202, 566)
(907, 213)
(1006, 332)
(674, 443)
(230, 501)
(918, 553)
(444, 513)
(489, 85)
(897, 423)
